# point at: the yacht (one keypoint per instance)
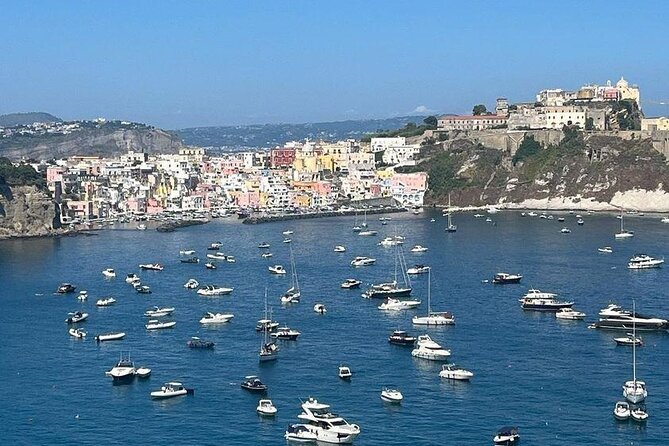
(152, 266)
(392, 289)
(433, 318)
(328, 427)
(159, 312)
(105, 302)
(320, 309)
(389, 241)
(450, 227)
(155, 324)
(300, 433)
(345, 372)
(418, 269)
(614, 317)
(109, 272)
(451, 371)
(622, 411)
(362, 261)
(397, 305)
(77, 316)
(131, 278)
(506, 436)
(605, 250)
(216, 318)
(537, 300)
(263, 245)
(191, 284)
(569, 314)
(639, 414)
(419, 248)
(339, 248)
(643, 261)
(351, 283)
(77, 333)
(277, 269)
(665, 220)
(196, 342)
(426, 348)
(401, 337)
(171, 389)
(65, 288)
(214, 290)
(504, 278)
(253, 384)
(266, 408)
(123, 371)
(114, 336)
(623, 234)
(293, 294)
(286, 334)
(267, 325)
(390, 395)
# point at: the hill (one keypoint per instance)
(14, 119)
(270, 135)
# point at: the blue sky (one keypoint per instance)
(179, 64)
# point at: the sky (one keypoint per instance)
(177, 64)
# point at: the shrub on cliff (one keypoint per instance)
(21, 175)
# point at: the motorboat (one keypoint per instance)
(171, 389)
(390, 395)
(569, 314)
(560, 219)
(115, 336)
(639, 414)
(288, 232)
(419, 248)
(537, 300)
(217, 256)
(253, 384)
(345, 372)
(287, 240)
(123, 371)
(320, 309)
(506, 278)
(142, 289)
(230, 259)
(665, 220)
(266, 408)
(392, 304)
(143, 372)
(401, 337)
(267, 325)
(105, 302)
(643, 261)
(300, 433)
(351, 283)
(433, 318)
(141, 227)
(155, 324)
(109, 273)
(488, 220)
(83, 295)
(492, 210)
(580, 222)
(339, 248)
(623, 234)
(191, 284)
(426, 348)
(214, 290)
(605, 250)
(266, 255)
(622, 411)
(131, 278)
(78, 333)
(390, 241)
(159, 312)
(418, 269)
(285, 333)
(277, 269)
(216, 318)
(363, 261)
(190, 260)
(629, 339)
(329, 427)
(367, 233)
(479, 215)
(263, 245)
(152, 266)
(210, 265)
(215, 246)
(451, 371)
(77, 316)
(614, 317)
(187, 252)
(565, 230)
(507, 435)
(196, 342)
(66, 288)
(356, 228)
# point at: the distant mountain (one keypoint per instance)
(270, 135)
(13, 119)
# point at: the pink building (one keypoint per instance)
(55, 173)
(411, 181)
(248, 199)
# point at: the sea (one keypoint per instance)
(556, 380)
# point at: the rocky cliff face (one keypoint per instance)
(26, 211)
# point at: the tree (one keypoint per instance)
(589, 123)
(431, 121)
(529, 147)
(479, 110)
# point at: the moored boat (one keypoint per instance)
(351, 283)
(391, 395)
(105, 302)
(114, 336)
(170, 390)
(66, 288)
(196, 342)
(506, 436)
(266, 408)
(216, 318)
(505, 278)
(155, 324)
(152, 266)
(77, 316)
(78, 333)
(622, 411)
(451, 371)
(401, 337)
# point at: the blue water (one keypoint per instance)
(558, 381)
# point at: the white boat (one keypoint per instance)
(131, 278)
(123, 371)
(492, 210)
(187, 252)
(345, 372)
(143, 372)
(83, 295)
(623, 234)
(418, 269)
(277, 269)
(363, 261)
(339, 248)
(141, 227)
(629, 339)
(433, 318)
(266, 255)
(506, 436)
(634, 390)
(263, 245)
(78, 333)
(367, 233)
(105, 302)
(622, 411)
(286, 333)
(216, 318)
(159, 312)
(565, 230)
(110, 337)
(391, 395)
(639, 415)
(390, 241)
(152, 266)
(392, 304)
(170, 390)
(419, 248)
(450, 227)
(643, 261)
(569, 314)
(351, 283)
(269, 351)
(155, 324)
(300, 433)
(109, 272)
(210, 265)
(230, 259)
(320, 309)
(191, 284)
(665, 220)
(392, 289)
(605, 250)
(537, 300)
(426, 348)
(293, 294)
(214, 290)
(328, 426)
(266, 408)
(77, 316)
(287, 232)
(217, 256)
(451, 371)
(287, 240)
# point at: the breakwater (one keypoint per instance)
(171, 226)
(253, 220)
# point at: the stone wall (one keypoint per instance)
(26, 211)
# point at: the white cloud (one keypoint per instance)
(422, 109)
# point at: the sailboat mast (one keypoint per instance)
(634, 343)
(449, 210)
(429, 285)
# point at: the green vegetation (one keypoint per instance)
(529, 147)
(479, 110)
(549, 158)
(589, 123)
(21, 175)
(628, 114)
(410, 129)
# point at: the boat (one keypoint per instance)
(288, 232)
(367, 233)
(622, 411)
(565, 230)
(614, 317)
(66, 288)
(287, 240)
(155, 324)
(230, 259)
(392, 304)
(451, 371)
(190, 260)
(196, 342)
(170, 390)
(300, 433)
(643, 261)
(488, 220)
(263, 245)
(105, 302)
(418, 269)
(285, 333)
(639, 414)
(277, 269)
(217, 256)
(401, 337)
(665, 220)
(253, 384)
(391, 395)
(142, 289)
(623, 234)
(266, 408)
(293, 294)
(214, 290)
(320, 309)
(187, 252)
(506, 278)
(450, 227)
(492, 210)
(537, 300)
(215, 246)
(141, 227)
(216, 318)
(580, 222)
(507, 435)
(418, 248)
(432, 220)
(433, 318)
(143, 372)
(351, 283)
(363, 261)
(605, 250)
(191, 284)
(152, 266)
(266, 255)
(560, 219)
(328, 426)
(123, 371)
(83, 295)
(339, 248)
(109, 273)
(390, 241)
(269, 351)
(629, 339)
(426, 348)
(345, 372)
(116, 336)
(392, 289)
(158, 311)
(131, 278)
(634, 390)
(569, 314)
(479, 215)
(78, 333)
(77, 316)
(210, 265)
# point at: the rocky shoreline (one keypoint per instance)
(286, 217)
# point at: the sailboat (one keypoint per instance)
(293, 294)
(393, 289)
(356, 227)
(269, 351)
(623, 233)
(450, 227)
(364, 221)
(634, 391)
(433, 318)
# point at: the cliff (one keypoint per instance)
(26, 211)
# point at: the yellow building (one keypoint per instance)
(625, 91)
(654, 124)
